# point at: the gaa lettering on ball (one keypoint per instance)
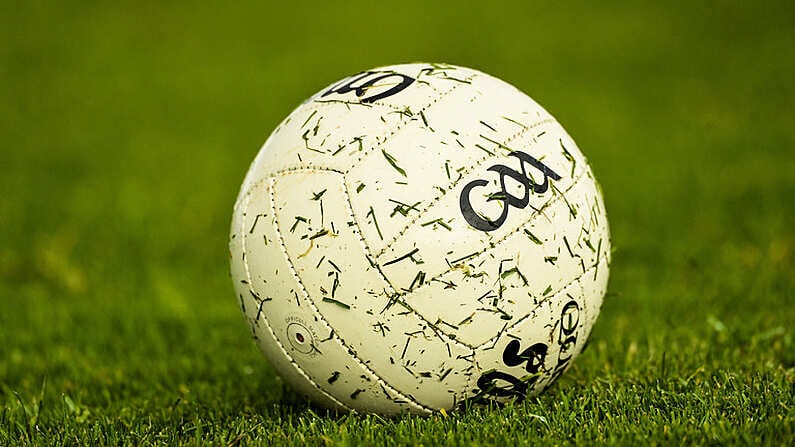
(417, 236)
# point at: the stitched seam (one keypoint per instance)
(316, 105)
(322, 103)
(455, 183)
(494, 339)
(381, 274)
(384, 278)
(485, 250)
(499, 241)
(316, 99)
(334, 335)
(402, 126)
(265, 316)
(292, 170)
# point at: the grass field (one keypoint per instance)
(127, 130)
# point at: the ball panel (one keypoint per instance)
(279, 309)
(393, 186)
(255, 303)
(595, 284)
(510, 276)
(350, 295)
(327, 136)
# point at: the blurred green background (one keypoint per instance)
(127, 128)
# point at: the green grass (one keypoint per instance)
(127, 130)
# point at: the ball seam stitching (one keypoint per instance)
(402, 126)
(454, 183)
(265, 317)
(334, 335)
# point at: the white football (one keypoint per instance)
(418, 236)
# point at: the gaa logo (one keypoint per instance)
(371, 86)
(509, 200)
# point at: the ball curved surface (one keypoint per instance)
(416, 236)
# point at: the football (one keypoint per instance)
(416, 237)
